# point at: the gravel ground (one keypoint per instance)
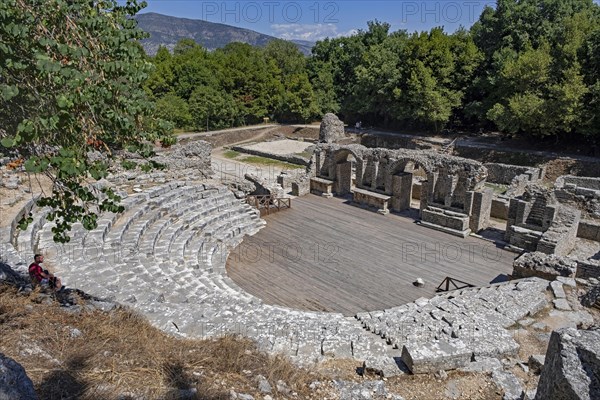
(280, 147)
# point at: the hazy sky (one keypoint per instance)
(314, 20)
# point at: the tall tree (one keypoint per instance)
(71, 77)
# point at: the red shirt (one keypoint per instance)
(35, 272)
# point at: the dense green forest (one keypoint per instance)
(528, 67)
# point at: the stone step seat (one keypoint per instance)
(26, 241)
(153, 223)
(172, 246)
(162, 205)
(473, 319)
(182, 238)
(169, 293)
(198, 251)
(237, 213)
(218, 262)
(191, 211)
(168, 198)
(132, 205)
(14, 258)
(463, 303)
(193, 221)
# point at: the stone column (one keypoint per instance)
(343, 178)
(480, 209)
(401, 191)
(374, 173)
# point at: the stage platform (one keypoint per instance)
(328, 255)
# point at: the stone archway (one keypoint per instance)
(400, 183)
(347, 166)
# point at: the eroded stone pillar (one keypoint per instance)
(479, 210)
(401, 191)
(343, 178)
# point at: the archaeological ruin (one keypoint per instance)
(183, 226)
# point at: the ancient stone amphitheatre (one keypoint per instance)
(322, 263)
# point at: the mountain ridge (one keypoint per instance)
(166, 30)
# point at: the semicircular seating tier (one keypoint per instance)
(165, 257)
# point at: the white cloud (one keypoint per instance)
(310, 32)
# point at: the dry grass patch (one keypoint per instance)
(100, 355)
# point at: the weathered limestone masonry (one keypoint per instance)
(537, 222)
(299, 183)
(583, 194)
(449, 330)
(552, 266)
(506, 174)
(571, 369)
(191, 160)
(332, 129)
(452, 198)
(517, 177)
(165, 257)
(264, 186)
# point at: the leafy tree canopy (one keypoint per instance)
(71, 75)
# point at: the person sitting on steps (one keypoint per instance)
(40, 276)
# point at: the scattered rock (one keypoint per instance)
(567, 281)
(332, 129)
(592, 297)
(571, 367)
(282, 387)
(546, 266)
(483, 365)
(75, 333)
(12, 183)
(536, 363)
(452, 391)
(557, 289)
(523, 366)
(419, 282)
(526, 322)
(561, 304)
(366, 390)
(14, 382)
(509, 384)
(540, 326)
(263, 384)
(441, 375)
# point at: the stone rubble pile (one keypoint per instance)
(447, 331)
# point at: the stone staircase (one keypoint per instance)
(446, 331)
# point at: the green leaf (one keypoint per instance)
(7, 142)
(8, 92)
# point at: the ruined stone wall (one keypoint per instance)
(589, 230)
(588, 269)
(572, 362)
(398, 142)
(581, 193)
(560, 237)
(580, 181)
(451, 183)
(505, 173)
(289, 158)
(499, 208)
